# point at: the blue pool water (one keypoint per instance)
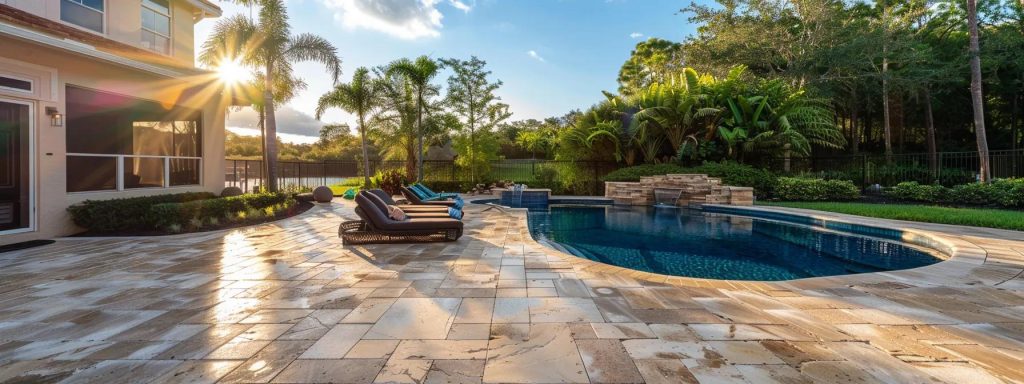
(695, 243)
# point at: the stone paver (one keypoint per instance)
(287, 302)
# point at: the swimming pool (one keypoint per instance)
(695, 243)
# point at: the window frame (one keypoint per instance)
(31, 84)
(120, 158)
(80, 3)
(170, 26)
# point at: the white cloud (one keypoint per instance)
(535, 55)
(636, 35)
(289, 121)
(407, 19)
(460, 5)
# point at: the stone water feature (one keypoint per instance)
(682, 190)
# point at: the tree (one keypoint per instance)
(976, 95)
(269, 46)
(418, 73)
(650, 62)
(361, 97)
(471, 98)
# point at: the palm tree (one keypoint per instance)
(976, 95)
(394, 129)
(286, 87)
(418, 73)
(361, 97)
(269, 46)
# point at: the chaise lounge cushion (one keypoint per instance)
(408, 208)
(416, 199)
(377, 219)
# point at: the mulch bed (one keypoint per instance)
(301, 207)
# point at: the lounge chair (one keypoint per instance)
(419, 210)
(415, 199)
(429, 195)
(377, 227)
(434, 212)
(386, 197)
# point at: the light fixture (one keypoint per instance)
(56, 119)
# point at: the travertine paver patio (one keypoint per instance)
(287, 303)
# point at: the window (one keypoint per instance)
(87, 14)
(117, 142)
(15, 84)
(156, 26)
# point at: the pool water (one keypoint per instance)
(693, 243)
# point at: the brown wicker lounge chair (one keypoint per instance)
(417, 201)
(377, 227)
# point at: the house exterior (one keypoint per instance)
(101, 99)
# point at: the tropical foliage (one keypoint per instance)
(742, 115)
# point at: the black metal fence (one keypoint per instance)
(248, 174)
(947, 168)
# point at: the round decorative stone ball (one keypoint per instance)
(231, 191)
(322, 194)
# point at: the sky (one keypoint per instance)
(552, 56)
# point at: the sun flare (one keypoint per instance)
(232, 72)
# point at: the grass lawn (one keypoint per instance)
(339, 189)
(977, 217)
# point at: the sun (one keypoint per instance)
(232, 72)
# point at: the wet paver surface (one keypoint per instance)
(287, 302)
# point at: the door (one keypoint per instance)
(15, 166)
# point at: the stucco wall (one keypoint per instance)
(123, 22)
(44, 64)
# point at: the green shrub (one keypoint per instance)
(912, 191)
(126, 214)
(803, 189)
(190, 213)
(1013, 192)
(1003, 192)
(390, 181)
(977, 194)
(634, 173)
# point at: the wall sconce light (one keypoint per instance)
(56, 119)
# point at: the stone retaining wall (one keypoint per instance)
(693, 189)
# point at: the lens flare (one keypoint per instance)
(232, 72)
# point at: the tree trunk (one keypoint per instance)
(270, 136)
(929, 122)
(855, 136)
(263, 142)
(976, 96)
(419, 129)
(886, 123)
(366, 158)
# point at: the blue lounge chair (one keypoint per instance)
(426, 194)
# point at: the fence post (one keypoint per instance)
(938, 168)
(594, 185)
(453, 173)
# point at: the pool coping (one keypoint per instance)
(962, 255)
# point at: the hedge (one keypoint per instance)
(160, 211)
(804, 189)
(168, 214)
(126, 214)
(1007, 193)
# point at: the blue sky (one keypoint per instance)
(552, 55)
